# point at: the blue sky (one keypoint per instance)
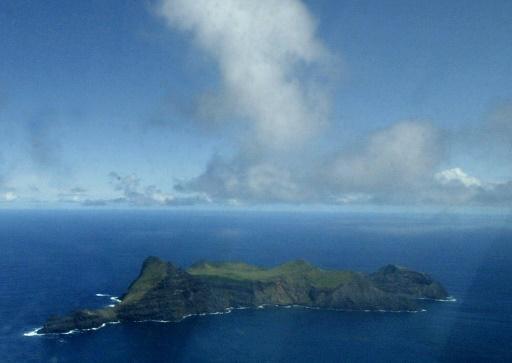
(342, 103)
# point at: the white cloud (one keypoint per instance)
(8, 197)
(393, 163)
(402, 155)
(135, 194)
(457, 176)
(262, 49)
(267, 52)
(271, 64)
(245, 180)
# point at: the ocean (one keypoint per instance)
(52, 262)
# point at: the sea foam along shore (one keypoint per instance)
(35, 332)
(228, 310)
(448, 299)
(111, 297)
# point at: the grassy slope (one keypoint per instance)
(293, 271)
(152, 274)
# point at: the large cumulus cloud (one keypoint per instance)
(273, 69)
(265, 52)
(398, 160)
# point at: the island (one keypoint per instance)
(165, 292)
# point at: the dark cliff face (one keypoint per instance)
(175, 295)
(163, 291)
(399, 280)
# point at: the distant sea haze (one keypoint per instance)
(55, 261)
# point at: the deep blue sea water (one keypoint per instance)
(56, 261)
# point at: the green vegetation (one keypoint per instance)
(294, 271)
(153, 271)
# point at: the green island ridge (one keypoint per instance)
(165, 292)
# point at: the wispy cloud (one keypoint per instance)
(133, 193)
(73, 195)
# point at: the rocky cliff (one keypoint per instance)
(165, 292)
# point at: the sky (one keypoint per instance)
(243, 104)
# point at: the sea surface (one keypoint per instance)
(52, 262)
